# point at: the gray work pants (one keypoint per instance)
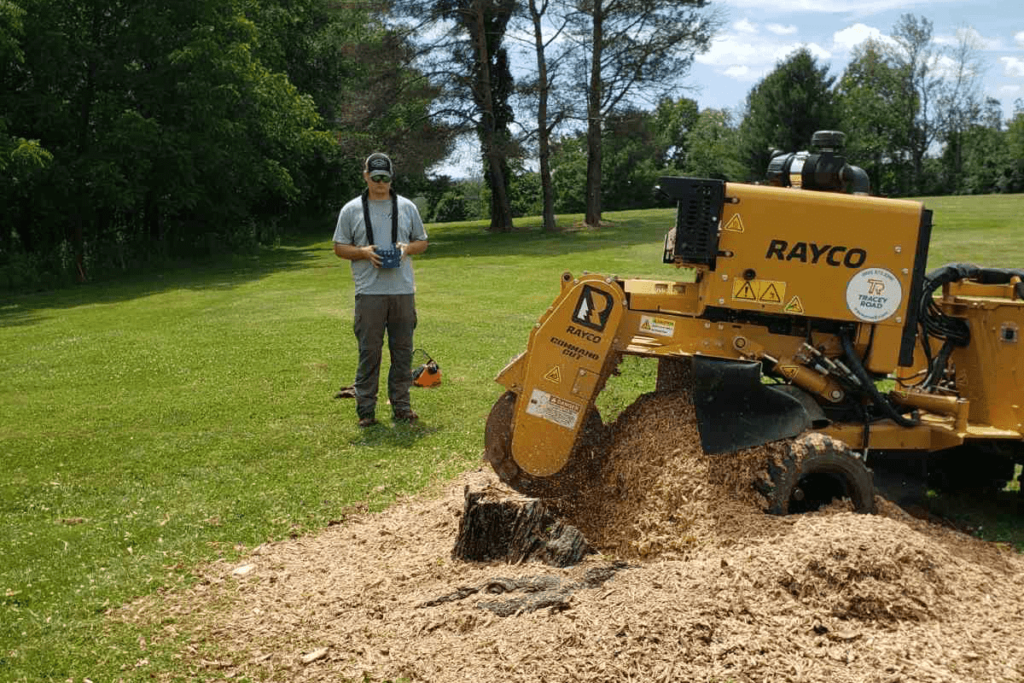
(376, 314)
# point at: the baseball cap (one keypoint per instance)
(378, 163)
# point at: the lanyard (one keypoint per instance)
(394, 217)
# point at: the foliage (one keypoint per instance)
(632, 160)
(135, 133)
(959, 103)
(639, 148)
(870, 97)
(713, 145)
(464, 200)
(784, 110)
(987, 162)
(569, 180)
(1014, 174)
(525, 194)
(674, 121)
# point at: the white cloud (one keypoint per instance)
(731, 51)
(780, 30)
(852, 36)
(1019, 38)
(744, 26)
(971, 35)
(740, 73)
(817, 51)
(1012, 66)
(1010, 90)
(744, 54)
(858, 7)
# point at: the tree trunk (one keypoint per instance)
(515, 529)
(543, 131)
(501, 210)
(593, 209)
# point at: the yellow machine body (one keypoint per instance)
(790, 283)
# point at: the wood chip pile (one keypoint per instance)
(695, 584)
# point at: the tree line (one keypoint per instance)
(131, 134)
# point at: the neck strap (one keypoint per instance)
(394, 217)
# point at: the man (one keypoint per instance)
(378, 232)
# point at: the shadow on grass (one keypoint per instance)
(392, 434)
(621, 229)
(996, 516)
(221, 274)
(447, 241)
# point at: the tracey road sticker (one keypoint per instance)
(874, 294)
(553, 409)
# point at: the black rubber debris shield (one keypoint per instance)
(735, 410)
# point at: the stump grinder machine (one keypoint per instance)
(807, 318)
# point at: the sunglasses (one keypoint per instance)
(380, 178)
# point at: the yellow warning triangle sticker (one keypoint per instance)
(645, 325)
(770, 295)
(554, 375)
(789, 370)
(794, 306)
(746, 292)
(735, 224)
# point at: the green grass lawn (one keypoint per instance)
(155, 423)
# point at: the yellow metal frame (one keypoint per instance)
(774, 262)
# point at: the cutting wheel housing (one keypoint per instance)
(577, 474)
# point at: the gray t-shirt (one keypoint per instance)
(352, 230)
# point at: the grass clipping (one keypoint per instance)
(699, 586)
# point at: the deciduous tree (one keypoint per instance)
(872, 102)
(630, 50)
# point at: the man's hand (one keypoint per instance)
(412, 248)
(369, 252)
(354, 253)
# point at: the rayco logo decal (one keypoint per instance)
(583, 334)
(593, 309)
(809, 252)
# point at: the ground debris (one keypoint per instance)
(313, 656)
(716, 590)
(539, 592)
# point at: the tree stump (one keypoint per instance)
(513, 529)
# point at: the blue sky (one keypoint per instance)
(758, 34)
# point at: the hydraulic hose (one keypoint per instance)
(869, 385)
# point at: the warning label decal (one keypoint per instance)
(735, 224)
(794, 306)
(554, 375)
(553, 409)
(662, 327)
(746, 292)
(759, 291)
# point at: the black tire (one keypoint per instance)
(815, 470)
(578, 473)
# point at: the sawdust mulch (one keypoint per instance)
(695, 584)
